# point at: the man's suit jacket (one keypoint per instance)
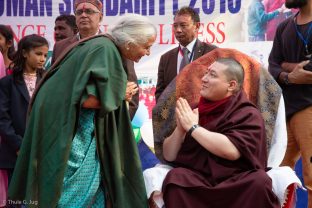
(60, 47)
(14, 100)
(167, 68)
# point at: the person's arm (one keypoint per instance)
(131, 90)
(264, 17)
(7, 131)
(288, 67)
(134, 104)
(295, 73)
(93, 102)
(216, 143)
(173, 143)
(299, 75)
(276, 57)
(132, 77)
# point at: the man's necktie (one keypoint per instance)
(185, 60)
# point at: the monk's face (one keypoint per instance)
(215, 84)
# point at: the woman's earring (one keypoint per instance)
(127, 49)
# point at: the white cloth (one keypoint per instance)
(154, 177)
(279, 139)
(282, 177)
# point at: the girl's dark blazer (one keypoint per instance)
(14, 99)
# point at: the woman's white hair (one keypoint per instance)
(132, 28)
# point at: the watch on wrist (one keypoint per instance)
(190, 131)
(286, 80)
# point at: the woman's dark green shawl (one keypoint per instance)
(93, 67)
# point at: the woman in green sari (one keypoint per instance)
(79, 149)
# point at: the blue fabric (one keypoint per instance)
(302, 195)
(82, 179)
(148, 158)
(257, 18)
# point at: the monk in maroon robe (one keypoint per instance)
(219, 149)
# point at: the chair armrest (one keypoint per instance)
(282, 178)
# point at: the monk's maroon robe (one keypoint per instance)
(202, 179)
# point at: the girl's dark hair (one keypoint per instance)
(26, 44)
(8, 35)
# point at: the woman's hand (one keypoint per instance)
(91, 102)
(132, 89)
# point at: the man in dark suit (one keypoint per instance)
(88, 15)
(185, 27)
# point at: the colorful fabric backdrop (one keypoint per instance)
(223, 22)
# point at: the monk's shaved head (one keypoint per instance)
(234, 70)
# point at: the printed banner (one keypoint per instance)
(223, 23)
